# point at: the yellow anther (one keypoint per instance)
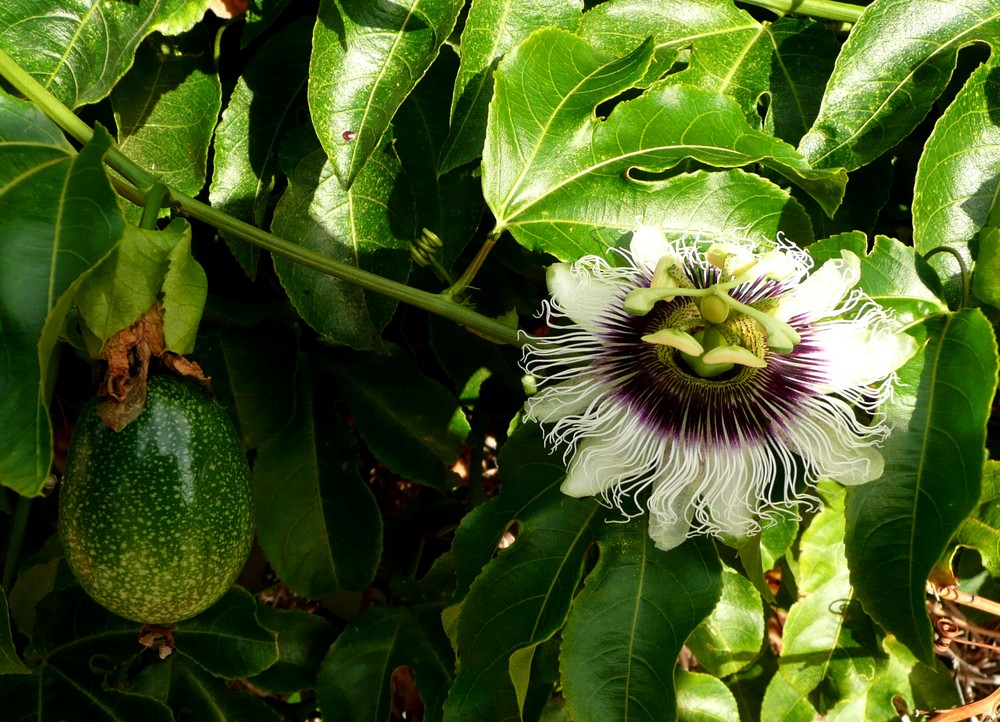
(731, 259)
(733, 355)
(662, 278)
(683, 342)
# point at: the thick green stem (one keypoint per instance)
(828, 9)
(144, 181)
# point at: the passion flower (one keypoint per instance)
(724, 380)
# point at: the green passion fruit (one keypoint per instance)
(156, 520)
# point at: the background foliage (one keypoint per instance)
(404, 569)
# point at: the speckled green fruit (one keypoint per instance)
(156, 520)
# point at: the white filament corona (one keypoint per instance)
(718, 447)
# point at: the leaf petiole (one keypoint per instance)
(828, 9)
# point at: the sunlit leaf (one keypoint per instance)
(898, 528)
(548, 157)
(356, 677)
(956, 184)
(185, 287)
(731, 637)
(981, 530)
(369, 227)
(316, 519)
(367, 57)
(79, 49)
(492, 29)
(889, 72)
(703, 698)
(166, 108)
(60, 217)
(627, 626)
(266, 101)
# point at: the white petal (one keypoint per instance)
(593, 470)
(670, 524)
(739, 479)
(648, 246)
(819, 295)
(859, 355)
(572, 396)
(829, 439)
(584, 295)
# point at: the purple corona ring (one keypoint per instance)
(723, 379)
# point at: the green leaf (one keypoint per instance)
(262, 107)
(899, 674)
(185, 288)
(898, 527)
(702, 698)
(956, 184)
(253, 381)
(547, 155)
(492, 29)
(522, 596)
(317, 521)
(303, 641)
(449, 203)
(981, 530)
(900, 281)
(784, 703)
(369, 227)
(357, 675)
(166, 108)
(889, 72)
(77, 645)
(628, 625)
(802, 60)
(731, 637)
(409, 421)
(60, 217)
(260, 16)
(523, 460)
(226, 639)
(893, 275)
(826, 635)
(126, 283)
(10, 663)
(187, 688)
(367, 57)
(79, 49)
(723, 42)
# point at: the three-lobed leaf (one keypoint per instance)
(548, 157)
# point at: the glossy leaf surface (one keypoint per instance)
(60, 219)
(546, 162)
(898, 528)
(367, 57)
(369, 227)
(627, 626)
(888, 73)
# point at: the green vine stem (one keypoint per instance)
(144, 181)
(826, 9)
(962, 268)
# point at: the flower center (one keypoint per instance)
(714, 332)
